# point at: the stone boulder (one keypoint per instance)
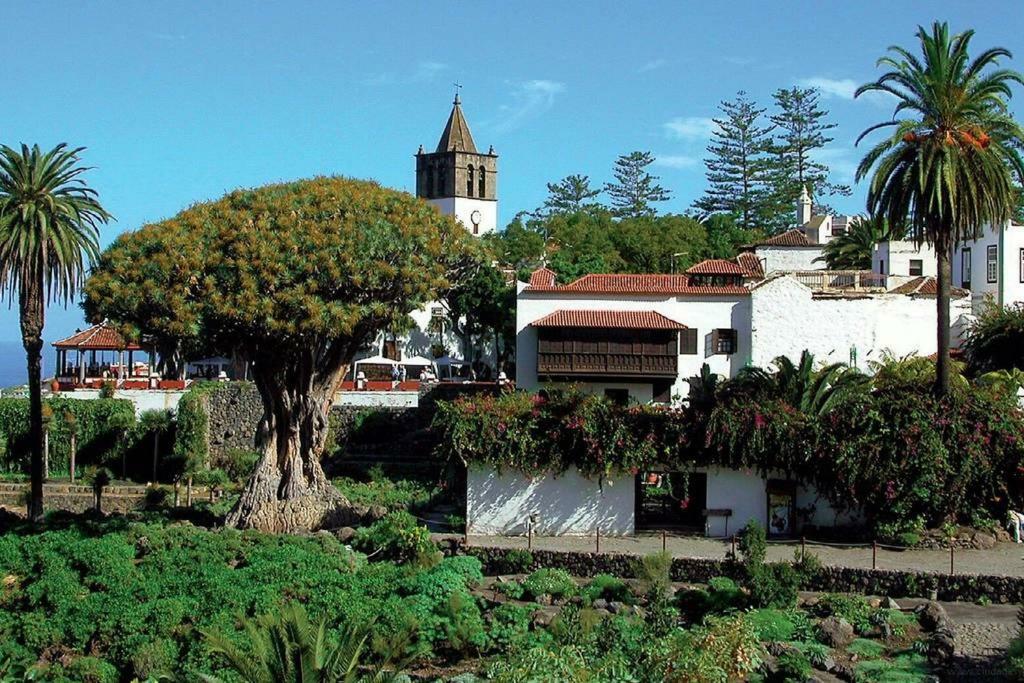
(835, 632)
(932, 616)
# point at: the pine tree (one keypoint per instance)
(802, 128)
(737, 182)
(634, 189)
(571, 194)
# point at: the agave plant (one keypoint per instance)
(286, 647)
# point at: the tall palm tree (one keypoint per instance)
(48, 238)
(947, 167)
(853, 249)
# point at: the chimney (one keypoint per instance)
(803, 208)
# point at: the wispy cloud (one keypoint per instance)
(652, 65)
(689, 128)
(530, 99)
(842, 161)
(843, 88)
(427, 71)
(675, 161)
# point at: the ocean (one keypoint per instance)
(12, 363)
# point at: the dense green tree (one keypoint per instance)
(581, 243)
(949, 165)
(635, 190)
(49, 235)
(737, 168)
(657, 245)
(725, 237)
(571, 194)
(294, 278)
(519, 246)
(479, 308)
(802, 128)
(853, 249)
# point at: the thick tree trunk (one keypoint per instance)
(944, 274)
(30, 303)
(288, 491)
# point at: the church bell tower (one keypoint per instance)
(459, 180)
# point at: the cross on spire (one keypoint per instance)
(458, 89)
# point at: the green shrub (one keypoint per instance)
(721, 597)
(752, 544)
(904, 668)
(394, 494)
(399, 537)
(853, 608)
(793, 665)
(239, 463)
(192, 434)
(515, 561)
(509, 626)
(655, 572)
(513, 590)
(772, 624)
(608, 587)
(553, 582)
(773, 585)
(817, 654)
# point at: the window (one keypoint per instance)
(469, 180)
(723, 341)
(992, 264)
(881, 266)
(965, 267)
(430, 181)
(482, 192)
(916, 266)
(689, 341)
(442, 184)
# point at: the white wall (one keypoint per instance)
(501, 503)
(462, 208)
(377, 399)
(703, 313)
(897, 255)
(745, 493)
(143, 399)
(787, 317)
(790, 258)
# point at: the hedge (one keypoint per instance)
(192, 434)
(101, 425)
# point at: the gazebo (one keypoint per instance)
(99, 355)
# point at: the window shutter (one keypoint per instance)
(689, 342)
(715, 336)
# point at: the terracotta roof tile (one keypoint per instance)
(790, 238)
(542, 277)
(926, 286)
(639, 284)
(750, 264)
(101, 337)
(716, 266)
(633, 320)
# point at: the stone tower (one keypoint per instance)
(459, 180)
(803, 208)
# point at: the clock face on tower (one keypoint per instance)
(475, 217)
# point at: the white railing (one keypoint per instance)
(841, 280)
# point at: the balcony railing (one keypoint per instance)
(841, 280)
(607, 364)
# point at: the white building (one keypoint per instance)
(640, 337)
(903, 258)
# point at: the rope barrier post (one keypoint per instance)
(734, 546)
(803, 549)
(874, 555)
(529, 534)
(597, 538)
(951, 557)
(663, 542)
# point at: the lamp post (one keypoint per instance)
(678, 253)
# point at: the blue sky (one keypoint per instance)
(179, 102)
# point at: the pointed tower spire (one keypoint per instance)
(803, 207)
(456, 136)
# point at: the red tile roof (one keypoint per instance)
(639, 284)
(101, 337)
(715, 266)
(926, 286)
(542, 277)
(750, 264)
(633, 320)
(790, 238)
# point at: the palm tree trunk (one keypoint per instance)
(944, 274)
(30, 304)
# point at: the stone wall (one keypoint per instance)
(896, 584)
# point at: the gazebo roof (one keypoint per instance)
(101, 337)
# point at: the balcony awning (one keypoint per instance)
(630, 320)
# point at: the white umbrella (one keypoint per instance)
(417, 360)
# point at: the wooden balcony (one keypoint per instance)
(608, 354)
